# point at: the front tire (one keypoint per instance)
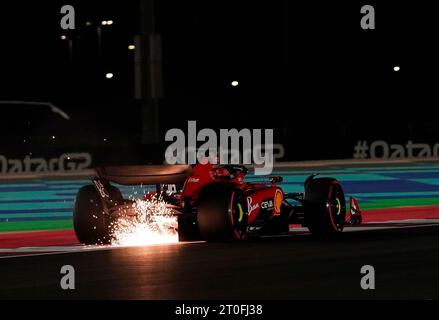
(325, 207)
(90, 221)
(222, 213)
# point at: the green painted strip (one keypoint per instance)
(36, 225)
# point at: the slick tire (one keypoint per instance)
(90, 221)
(222, 213)
(324, 206)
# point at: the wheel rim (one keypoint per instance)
(337, 207)
(238, 215)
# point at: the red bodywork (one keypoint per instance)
(259, 196)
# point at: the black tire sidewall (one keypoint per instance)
(214, 212)
(90, 221)
(318, 216)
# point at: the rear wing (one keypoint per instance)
(148, 174)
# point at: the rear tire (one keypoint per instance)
(325, 207)
(91, 222)
(187, 229)
(222, 213)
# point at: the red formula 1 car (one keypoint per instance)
(213, 203)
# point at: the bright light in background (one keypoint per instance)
(107, 22)
(131, 47)
(396, 68)
(235, 83)
(63, 37)
(88, 24)
(109, 75)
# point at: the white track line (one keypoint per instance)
(43, 251)
(369, 226)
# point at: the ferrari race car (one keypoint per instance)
(212, 203)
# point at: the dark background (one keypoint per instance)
(305, 68)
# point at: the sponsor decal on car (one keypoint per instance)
(278, 199)
(101, 189)
(251, 207)
(194, 180)
(267, 205)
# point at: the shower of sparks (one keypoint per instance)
(154, 224)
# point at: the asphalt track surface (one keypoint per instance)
(405, 257)
(400, 239)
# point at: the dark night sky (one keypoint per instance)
(295, 60)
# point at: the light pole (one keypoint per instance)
(103, 23)
(148, 72)
(99, 34)
(70, 45)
